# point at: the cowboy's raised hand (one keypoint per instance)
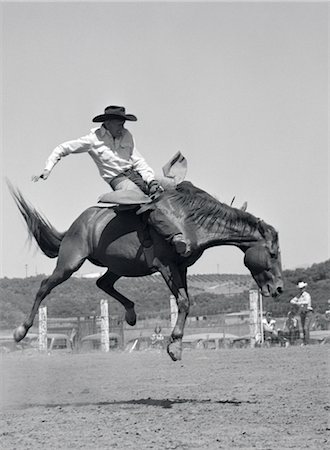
(44, 176)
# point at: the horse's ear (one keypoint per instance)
(244, 206)
(262, 227)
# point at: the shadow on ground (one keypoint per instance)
(162, 403)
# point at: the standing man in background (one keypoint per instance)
(304, 302)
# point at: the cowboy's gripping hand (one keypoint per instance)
(155, 187)
(44, 176)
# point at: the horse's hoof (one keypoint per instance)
(174, 349)
(130, 317)
(20, 333)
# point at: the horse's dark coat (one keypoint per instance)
(114, 239)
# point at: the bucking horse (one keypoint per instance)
(121, 240)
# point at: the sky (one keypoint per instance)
(241, 89)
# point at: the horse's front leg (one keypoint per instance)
(174, 349)
(176, 279)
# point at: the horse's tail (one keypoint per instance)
(47, 237)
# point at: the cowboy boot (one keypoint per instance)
(181, 246)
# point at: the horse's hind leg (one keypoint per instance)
(106, 283)
(69, 261)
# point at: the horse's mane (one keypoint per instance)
(203, 209)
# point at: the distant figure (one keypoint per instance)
(268, 326)
(304, 302)
(157, 339)
(73, 338)
(291, 329)
(271, 334)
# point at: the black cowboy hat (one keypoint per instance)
(114, 112)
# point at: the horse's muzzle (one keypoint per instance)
(279, 290)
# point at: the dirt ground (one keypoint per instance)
(266, 398)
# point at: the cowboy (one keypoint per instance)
(304, 302)
(112, 148)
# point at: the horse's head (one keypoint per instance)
(263, 259)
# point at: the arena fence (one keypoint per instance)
(78, 328)
(244, 323)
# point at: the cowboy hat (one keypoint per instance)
(114, 112)
(302, 284)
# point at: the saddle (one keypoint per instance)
(123, 197)
(174, 173)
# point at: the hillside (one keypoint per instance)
(210, 294)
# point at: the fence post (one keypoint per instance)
(104, 326)
(261, 316)
(174, 311)
(43, 329)
(254, 328)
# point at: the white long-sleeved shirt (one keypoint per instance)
(304, 301)
(268, 326)
(112, 156)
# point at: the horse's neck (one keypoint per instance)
(224, 225)
(222, 233)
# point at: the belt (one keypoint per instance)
(120, 177)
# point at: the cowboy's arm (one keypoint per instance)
(141, 166)
(297, 300)
(79, 145)
(302, 301)
(294, 301)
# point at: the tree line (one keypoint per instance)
(81, 297)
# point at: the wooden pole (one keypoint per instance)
(104, 326)
(224, 329)
(261, 316)
(174, 311)
(254, 329)
(43, 329)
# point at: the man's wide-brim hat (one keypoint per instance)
(114, 112)
(301, 284)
